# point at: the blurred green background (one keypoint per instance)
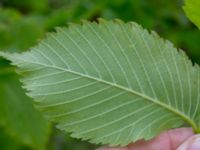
(24, 22)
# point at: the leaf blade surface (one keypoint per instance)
(111, 83)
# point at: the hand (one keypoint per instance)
(176, 139)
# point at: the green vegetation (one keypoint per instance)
(192, 11)
(24, 23)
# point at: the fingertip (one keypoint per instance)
(179, 135)
(169, 139)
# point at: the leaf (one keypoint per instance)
(18, 116)
(111, 83)
(192, 10)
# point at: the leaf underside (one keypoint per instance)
(111, 82)
(192, 10)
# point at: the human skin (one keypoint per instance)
(175, 139)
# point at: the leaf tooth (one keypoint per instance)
(102, 21)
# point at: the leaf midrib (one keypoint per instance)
(145, 97)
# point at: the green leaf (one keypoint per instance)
(18, 116)
(192, 10)
(111, 83)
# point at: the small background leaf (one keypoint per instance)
(192, 10)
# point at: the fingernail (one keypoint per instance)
(195, 145)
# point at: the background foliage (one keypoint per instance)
(24, 22)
